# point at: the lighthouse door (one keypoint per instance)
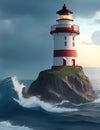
(64, 61)
(73, 62)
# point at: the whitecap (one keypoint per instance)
(5, 125)
(18, 87)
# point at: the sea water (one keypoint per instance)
(18, 113)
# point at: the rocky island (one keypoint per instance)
(65, 83)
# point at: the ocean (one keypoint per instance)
(18, 113)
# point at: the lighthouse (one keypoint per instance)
(64, 34)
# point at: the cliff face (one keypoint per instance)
(66, 83)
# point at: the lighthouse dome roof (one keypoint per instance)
(64, 10)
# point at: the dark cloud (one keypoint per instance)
(96, 37)
(23, 43)
(35, 8)
(26, 46)
(46, 8)
(86, 8)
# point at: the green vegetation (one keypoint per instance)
(63, 71)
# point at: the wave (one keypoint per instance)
(11, 97)
(7, 93)
(5, 125)
(36, 102)
(23, 114)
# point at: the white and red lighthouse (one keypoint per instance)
(64, 33)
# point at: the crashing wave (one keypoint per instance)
(7, 93)
(36, 102)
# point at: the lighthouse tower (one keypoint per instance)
(64, 33)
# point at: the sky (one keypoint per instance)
(26, 46)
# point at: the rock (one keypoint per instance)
(65, 83)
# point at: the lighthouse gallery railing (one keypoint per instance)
(74, 27)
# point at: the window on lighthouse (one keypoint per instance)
(65, 38)
(65, 43)
(73, 44)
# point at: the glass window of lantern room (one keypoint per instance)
(66, 16)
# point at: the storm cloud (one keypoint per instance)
(46, 8)
(26, 46)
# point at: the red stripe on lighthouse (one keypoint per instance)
(64, 30)
(68, 53)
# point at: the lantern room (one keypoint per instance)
(65, 14)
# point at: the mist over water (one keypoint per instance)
(92, 73)
(94, 76)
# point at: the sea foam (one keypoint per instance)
(5, 125)
(36, 102)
